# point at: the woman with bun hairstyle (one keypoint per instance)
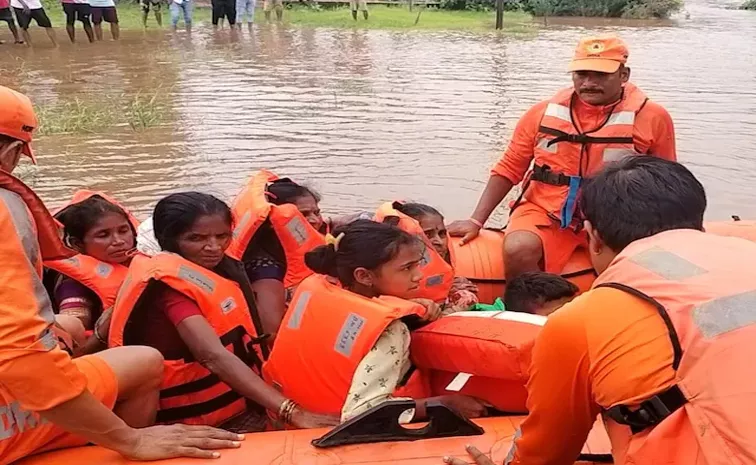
(343, 347)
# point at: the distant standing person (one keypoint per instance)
(26, 10)
(224, 9)
(155, 5)
(7, 15)
(105, 10)
(245, 8)
(359, 5)
(178, 7)
(78, 10)
(268, 6)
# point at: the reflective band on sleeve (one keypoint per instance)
(349, 334)
(726, 314)
(621, 118)
(295, 320)
(558, 111)
(666, 264)
(297, 229)
(198, 279)
(73, 261)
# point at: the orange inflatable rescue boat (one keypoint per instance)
(482, 260)
(373, 438)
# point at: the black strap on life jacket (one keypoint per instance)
(650, 412)
(584, 138)
(543, 173)
(234, 270)
(234, 338)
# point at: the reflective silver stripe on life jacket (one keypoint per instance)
(666, 264)
(558, 111)
(27, 234)
(726, 314)
(621, 118)
(200, 280)
(295, 320)
(513, 450)
(297, 229)
(103, 269)
(543, 144)
(349, 334)
(242, 224)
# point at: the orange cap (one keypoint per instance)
(601, 54)
(17, 118)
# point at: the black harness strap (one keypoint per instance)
(650, 412)
(581, 138)
(176, 414)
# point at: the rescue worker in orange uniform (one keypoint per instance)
(663, 343)
(602, 118)
(48, 401)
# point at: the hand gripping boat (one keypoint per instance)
(373, 438)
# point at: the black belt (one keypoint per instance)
(651, 412)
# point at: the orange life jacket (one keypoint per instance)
(481, 354)
(703, 286)
(564, 154)
(51, 246)
(190, 393)
(325, 333)
(102, 278)
(297, 237)
(438, 275)
(49, 231)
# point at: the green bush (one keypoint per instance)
(749, 5)
(602, 8)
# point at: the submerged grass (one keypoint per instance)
(385, 17)
(82, 115)
(381, 17)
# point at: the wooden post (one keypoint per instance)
(410, 5)
(499, 14)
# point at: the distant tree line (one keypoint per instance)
(602, 8)
(749, 5)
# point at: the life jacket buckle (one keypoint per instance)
(650, 412)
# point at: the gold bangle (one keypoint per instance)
(286, 411)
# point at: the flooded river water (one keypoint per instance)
(366, 116)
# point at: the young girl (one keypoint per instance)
(344, 345)
(463, 293)
(86, 286)
(196, 230)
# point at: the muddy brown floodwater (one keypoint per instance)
(366, 116)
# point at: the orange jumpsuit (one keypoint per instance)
(606, 347)
(35, 374)
(653, 134)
